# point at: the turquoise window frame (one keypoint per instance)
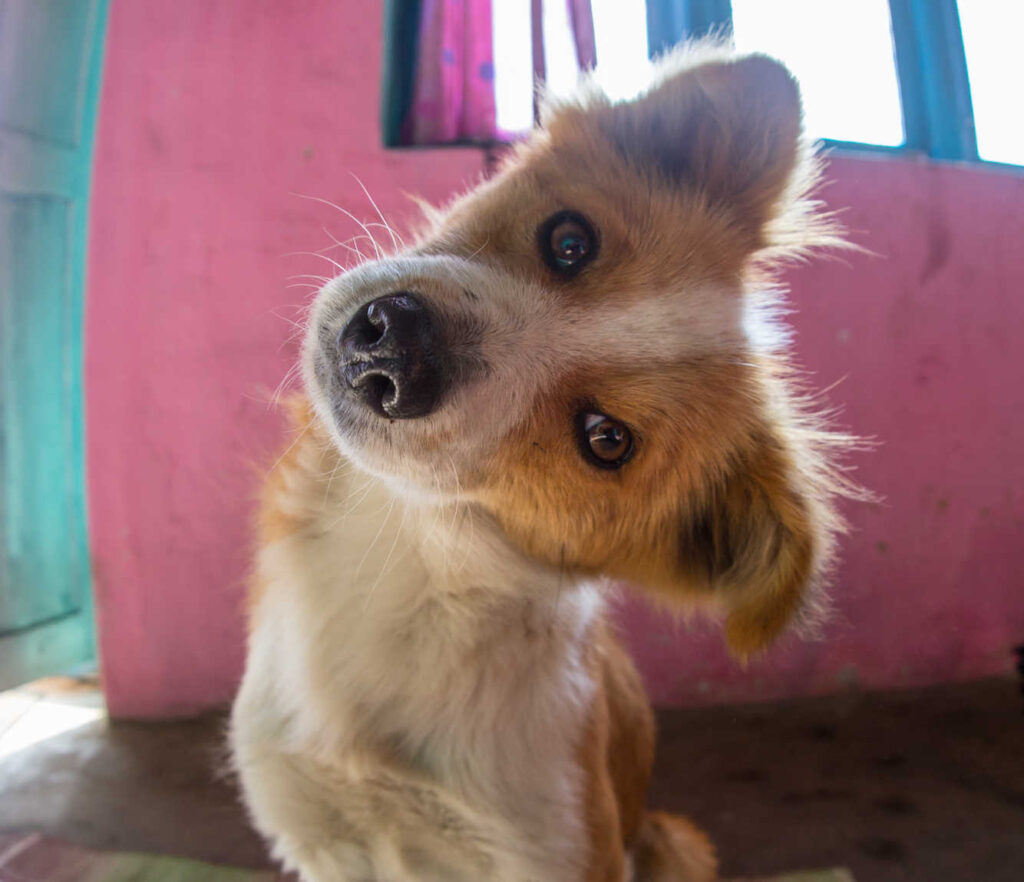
(67, 641)
(935, 91)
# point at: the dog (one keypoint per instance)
(574, 379)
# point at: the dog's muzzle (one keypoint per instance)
(391, 358)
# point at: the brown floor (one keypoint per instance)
(923, 786)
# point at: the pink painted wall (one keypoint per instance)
(923, 340)
(213, 114)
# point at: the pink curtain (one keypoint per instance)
(453, 93)
(453, 87)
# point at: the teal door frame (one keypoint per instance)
(51, 55)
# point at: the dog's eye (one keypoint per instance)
(606, 442)
(567, 242)
(570, 243)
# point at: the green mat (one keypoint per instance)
(38, 859)
(35, 858)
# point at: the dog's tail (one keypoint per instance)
(670, 849)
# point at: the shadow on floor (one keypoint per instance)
(924, 786)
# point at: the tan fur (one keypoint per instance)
(617, 753)
(433, 690)
(671, 849)
(718, 428)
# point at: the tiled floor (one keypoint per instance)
(923, 786)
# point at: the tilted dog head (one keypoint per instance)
(574, 347)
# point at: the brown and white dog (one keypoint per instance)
(572, 378)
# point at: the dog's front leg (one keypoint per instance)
(298, 812)
(363, 820)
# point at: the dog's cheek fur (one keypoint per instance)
(714, 509)
(564, 510)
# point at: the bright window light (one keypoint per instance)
(513, 66)
(841, 51)
(34, 713)
(620, 42)
(620, 39)
(995, 67)
(560, 67)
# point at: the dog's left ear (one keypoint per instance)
(755, 538)
(726, 128)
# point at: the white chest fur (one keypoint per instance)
(415, 698)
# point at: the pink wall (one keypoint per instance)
(923, 340)
(213, 114)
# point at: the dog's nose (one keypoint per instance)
(390, 357)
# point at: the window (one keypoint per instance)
(620, 42)
(995, 68)
(842, 53)
(935, 77)
(620, 35)
(513, 67)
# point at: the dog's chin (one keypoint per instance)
(376, 447)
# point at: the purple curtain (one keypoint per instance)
(581, 19)
(452, 98)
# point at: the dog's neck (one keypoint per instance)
(394, 596)
(391, 553)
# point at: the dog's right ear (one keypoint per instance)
(723, 127)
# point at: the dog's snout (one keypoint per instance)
(391, 358)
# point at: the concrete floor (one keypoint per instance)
(923, 786)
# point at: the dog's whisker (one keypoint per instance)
(352, 249)
(379, 251)
(369, 548)
(291, 446)
(290, 376)
(486, 242)
(395, 237)
(319, 255)
(298, 325)
(387, 557)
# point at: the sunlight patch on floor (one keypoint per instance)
(41, 710)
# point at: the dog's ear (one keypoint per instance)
(727, 128)
(755, 539)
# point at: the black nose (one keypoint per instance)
(390, 357)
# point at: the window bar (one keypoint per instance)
(934, 89)
(671, 21)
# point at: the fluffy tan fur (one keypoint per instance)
(701, 183)
(448, 701)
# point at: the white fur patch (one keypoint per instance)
(417, 684)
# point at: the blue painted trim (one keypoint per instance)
(52, 647)
(60, 178)
(867, 147)
(934, 88)
(90, 110)
(398, 62)
(671, 21)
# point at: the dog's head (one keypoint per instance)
(571, 347)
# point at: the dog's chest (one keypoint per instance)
(474, 705)
(500, 731)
